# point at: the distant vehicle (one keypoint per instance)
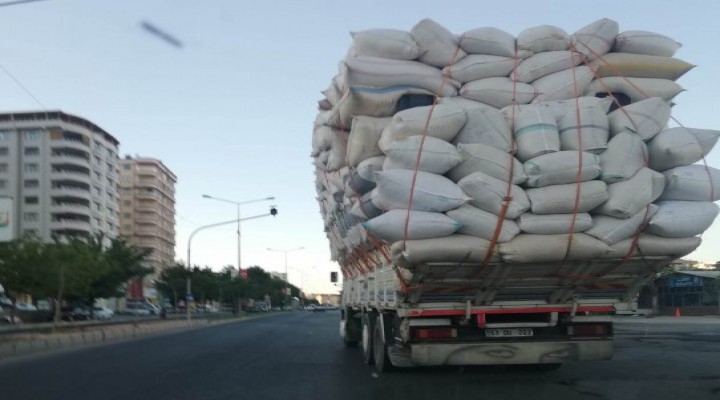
(103, 313)
(5, 318)
(77, 313)
(138, 308)
(25, 307)
(5, 301)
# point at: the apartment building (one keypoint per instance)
(61, 171)
(147, 210)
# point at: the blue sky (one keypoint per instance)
(231, 112)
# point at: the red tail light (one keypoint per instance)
(434, 333)
(588, 330)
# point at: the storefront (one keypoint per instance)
(691, 292)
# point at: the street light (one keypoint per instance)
(287, 281)
(238, 204)
(273, 212)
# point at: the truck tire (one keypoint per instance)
(368, 327)
(349, 330)
(380, 349)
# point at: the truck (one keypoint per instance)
(433, 315)
(490, 218)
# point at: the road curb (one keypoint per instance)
(112, 334)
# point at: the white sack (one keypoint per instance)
(612, 230)
(536, 132)
(390, 226)
(646, 118)
(367, 168)
(692, 183)
(543, 38)
(706, 138)
(553, 224)
(542, 64)
(437, 156)
(643, 42)
(498, 92)
(478, 66)
(480, 223)
(489, 160)
(485, 125)
(364, 207)
(487, 193)
(593, 126)
(372, 102)
(338, 150)
(627, 198)
(640, 66)
(637, 89)
(385, 43)
(450, 249)
(440, 47)
(561, 168)
(672, 148)
(363, 139)
(625, 155)
(677, 219)
(488, 40)
(374, 72)
(563, 85)
(357, 185)
(654, 246)
(527, 248)
(560, 108)
(596, 39)
(560, 199)
(445, 122)
(434, 193)
(322, 139)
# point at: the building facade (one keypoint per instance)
(147, 211)
(61, 172)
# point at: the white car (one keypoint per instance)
(102, 313)
(25, 307)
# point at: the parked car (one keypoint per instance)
(137, 308)
(102, 313)
(73, 313)
(5, 318)
(25, 307)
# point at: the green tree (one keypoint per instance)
(171, 282)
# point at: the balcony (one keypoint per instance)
(147, 209)
(148, 195)
(70, 191)
(72, 144)
(69, 175)
(148, 220)
(71, 159)
(146, 232)
(72, 224)
(70, 208)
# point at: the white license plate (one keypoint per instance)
(508, 332)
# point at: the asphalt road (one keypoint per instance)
(295, 356)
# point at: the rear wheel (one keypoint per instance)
(380, 349)
(368, 325)
(349, 330)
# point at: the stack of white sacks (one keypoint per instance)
(517, 120)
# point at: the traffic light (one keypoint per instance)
(273, 211)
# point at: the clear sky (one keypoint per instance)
(231, 112)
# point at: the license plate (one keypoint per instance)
(509, 332)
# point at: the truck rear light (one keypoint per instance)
(588, 330)
(434, 333)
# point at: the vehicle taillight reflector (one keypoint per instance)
(434, 333)
(583, 330)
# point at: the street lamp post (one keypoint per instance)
(238, 204)
(272, 212)
(287, 279)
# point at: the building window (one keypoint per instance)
(31, 200)
(3, 183)
(31, 134)
(127, 215)
(127, 166)
(3, 167)
(4, 151)
(32, 151)
(4, 135)
(98, 222)
(30, 167)
(31, 183)
(127, 203)
(30, 232)
(30, 216)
